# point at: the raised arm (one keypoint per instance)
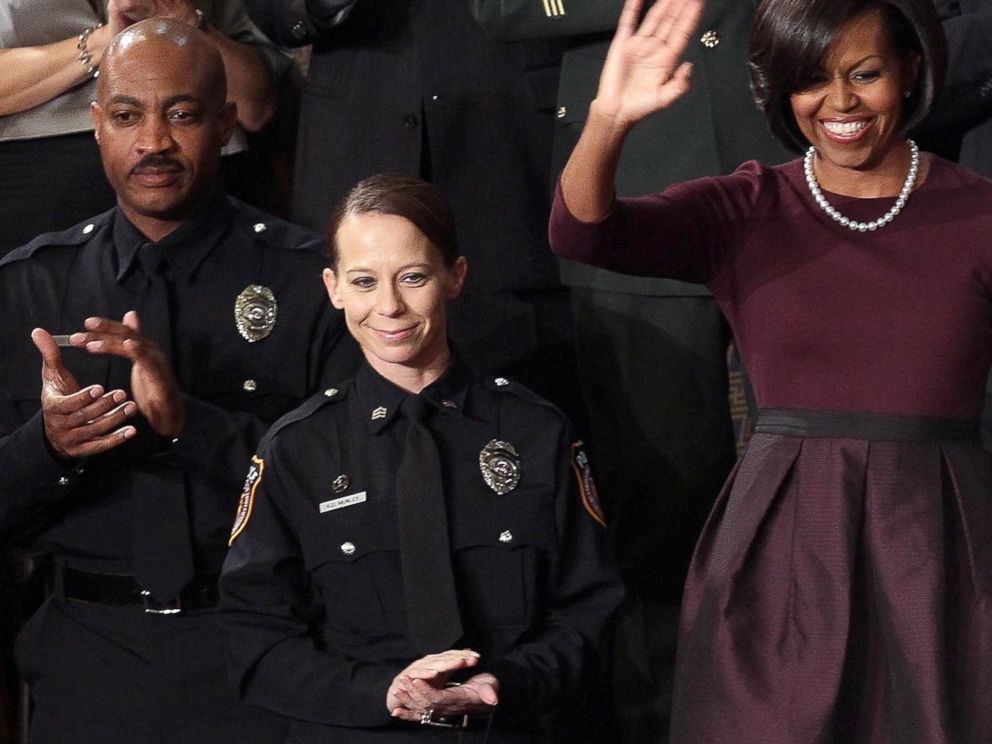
(642, 75)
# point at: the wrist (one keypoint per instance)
(608, 121)
(86, 52)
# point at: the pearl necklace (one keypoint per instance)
(885, 219)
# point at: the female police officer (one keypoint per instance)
(419, 544)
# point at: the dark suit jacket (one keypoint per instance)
(961, 125)
(416, 86)
(709, 131)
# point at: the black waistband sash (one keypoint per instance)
(860, 425)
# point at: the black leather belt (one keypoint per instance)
(124, 591)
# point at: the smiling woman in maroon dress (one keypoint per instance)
(841, 590)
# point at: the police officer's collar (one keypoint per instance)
(185, 248)
(382, 399)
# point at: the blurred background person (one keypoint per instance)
(417, 526)
(652, 352)
(839, 589)
(960, 127)
(50, 52)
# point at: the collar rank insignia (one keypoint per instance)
(500, 465)
(379, 413)
(255, 312)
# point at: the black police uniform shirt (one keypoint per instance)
(312, 596)
(233, 389)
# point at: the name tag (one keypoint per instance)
(340, 503)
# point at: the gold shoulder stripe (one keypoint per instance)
(554, 8)
(587, 486)
(247, 500)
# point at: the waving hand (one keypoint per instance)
(643, 72)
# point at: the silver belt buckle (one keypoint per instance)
(154, 607)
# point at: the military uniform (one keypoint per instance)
(100, 668)
(312, 593)
(652, 352)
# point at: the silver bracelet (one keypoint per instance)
(84, 56)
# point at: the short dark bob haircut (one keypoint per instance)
(791, 38)
(403, 196)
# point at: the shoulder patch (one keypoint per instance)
(587, 486)
(247, 500)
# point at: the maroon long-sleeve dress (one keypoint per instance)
(842, 588)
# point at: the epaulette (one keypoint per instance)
(273, 231)
(74, 236)
(306, 409)
(505, 385)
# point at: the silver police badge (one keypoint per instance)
(255, 312)
(500, 465)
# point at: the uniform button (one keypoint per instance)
(88, 229)
(501, 381)
(434, 98)
(259, 227)
(505, 536)
(562, 110)
(64, 481)
(80, 470)
(710, 39)
(331, 392)
(299, 30)
(250, 386)
(348, 548)
(410, 121)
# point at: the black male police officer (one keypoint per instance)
(172, 330)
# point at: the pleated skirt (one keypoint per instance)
(841, 590)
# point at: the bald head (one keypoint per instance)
(159, 42)
(161, 119)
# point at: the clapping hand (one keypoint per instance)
(422, 688)
(79, 422)
(153, 383)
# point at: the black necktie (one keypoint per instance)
(433, 620)
(163, 556)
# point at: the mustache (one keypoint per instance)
(154, 160)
